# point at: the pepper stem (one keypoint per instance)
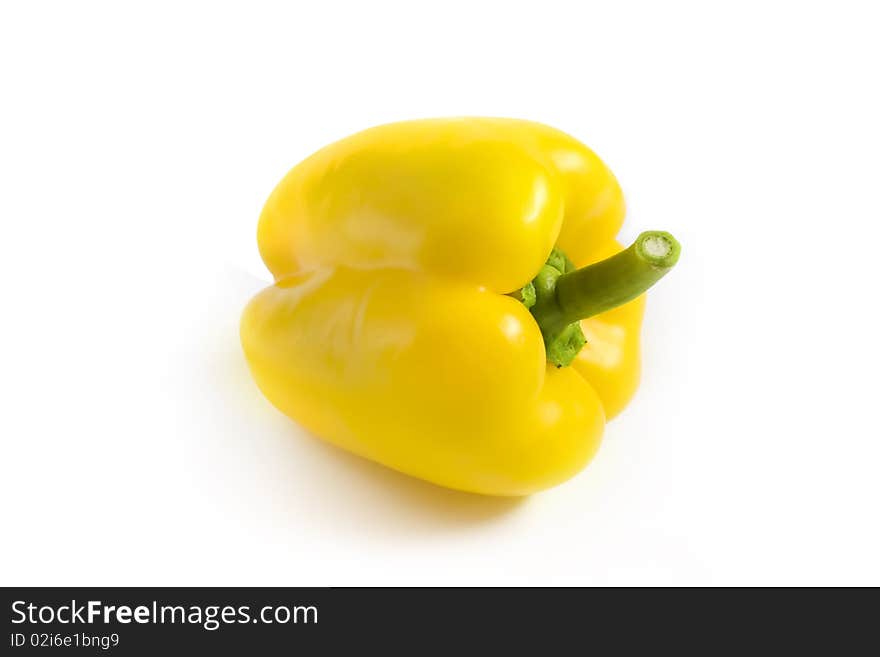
(622, 277)
(566, 298)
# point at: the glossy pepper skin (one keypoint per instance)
(389, 330)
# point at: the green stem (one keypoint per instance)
(566, 298)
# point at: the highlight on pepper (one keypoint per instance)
(450, 301)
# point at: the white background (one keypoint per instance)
(138, 143)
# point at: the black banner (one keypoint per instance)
(133, 621)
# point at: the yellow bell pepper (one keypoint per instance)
(427, 305)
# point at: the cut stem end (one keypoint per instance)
(658, 248)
